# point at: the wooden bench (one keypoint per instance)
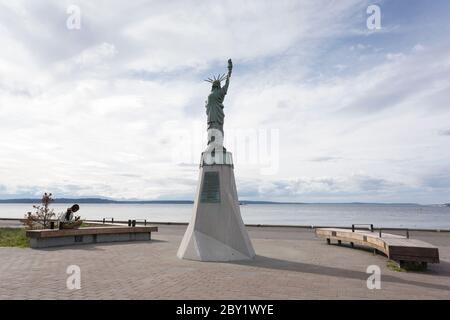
(52, 238)
(395, 247)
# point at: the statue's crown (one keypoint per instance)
(217, 79)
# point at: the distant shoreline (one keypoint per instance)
(243, 202)
(111, 201)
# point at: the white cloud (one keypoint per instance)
(96, 111)
(96, 55)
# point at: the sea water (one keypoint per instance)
(381, 215)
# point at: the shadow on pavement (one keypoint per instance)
(98, 246)
(278, 264)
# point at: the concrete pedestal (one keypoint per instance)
(216, 231)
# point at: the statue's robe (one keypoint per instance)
(214, 107)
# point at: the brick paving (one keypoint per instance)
(290, 264)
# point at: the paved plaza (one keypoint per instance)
(290, 264)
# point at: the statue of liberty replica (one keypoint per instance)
(214, 110)
(214, 104)
(216, 231)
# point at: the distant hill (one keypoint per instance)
(106, 201)
(242, 202)
(97, 200)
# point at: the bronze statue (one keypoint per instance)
(214, 104)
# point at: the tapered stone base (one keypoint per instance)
(216, 231)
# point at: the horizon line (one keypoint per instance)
(110, 200)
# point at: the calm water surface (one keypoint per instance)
(407, 216)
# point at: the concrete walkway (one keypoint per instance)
(290, 264)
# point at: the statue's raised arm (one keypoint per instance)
(227, 82)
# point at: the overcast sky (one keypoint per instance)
(116, 108)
